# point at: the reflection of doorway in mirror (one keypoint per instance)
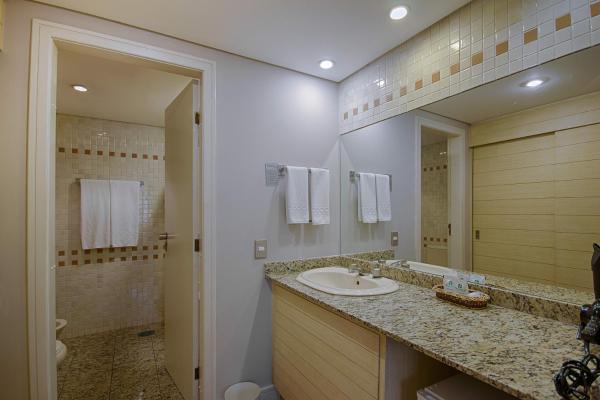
(434, 197)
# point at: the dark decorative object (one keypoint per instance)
(575, 377)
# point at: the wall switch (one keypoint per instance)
(394, 239)
(260, 249)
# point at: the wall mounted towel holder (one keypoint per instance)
(274, 172)
(78, 180)
(354, 176)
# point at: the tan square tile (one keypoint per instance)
(418, 84)
(530, 35)
(563, 22)
(502, 48)
(435, 76)
(477, 58)
(595, 9)
(454, 69)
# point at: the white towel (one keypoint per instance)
(296, 195)
(95, 214)
(319, 196)
(125, 213)
(367, 198)
(384, 203)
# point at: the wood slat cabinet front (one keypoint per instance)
(318, 355)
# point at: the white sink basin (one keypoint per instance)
(337, 280)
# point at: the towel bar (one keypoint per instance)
(79, 180)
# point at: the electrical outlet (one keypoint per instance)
(260, 249)
(394, 239)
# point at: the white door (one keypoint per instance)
(182, 224)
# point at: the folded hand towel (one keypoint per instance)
(367, 198)
(319, 196)
(296, 196)
(95, 214)
(125, 213)
(384, 205)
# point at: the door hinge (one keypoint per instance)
(197, 373)
(197, 245)
(197, 118)
(449, 229)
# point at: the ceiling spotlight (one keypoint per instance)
(326, 64)
(79, 88)
(379, 82)
(534, 83)
(399, 12)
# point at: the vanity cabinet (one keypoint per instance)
(319, 355)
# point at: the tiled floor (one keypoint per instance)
(116, 365)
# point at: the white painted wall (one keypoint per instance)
(264, 113)
(387, 148)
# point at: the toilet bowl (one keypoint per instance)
(243, 391)
(61, 352)
(61, 349)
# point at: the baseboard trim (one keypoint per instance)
(269, 393)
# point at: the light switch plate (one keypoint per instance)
(394, 239)
(260, 249)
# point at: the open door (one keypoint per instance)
(182, 230)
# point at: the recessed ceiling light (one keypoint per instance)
(326, 64)
(379, 82)
(79, 88)
(534, 83)
(399, 12)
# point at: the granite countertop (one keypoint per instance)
(516, 352)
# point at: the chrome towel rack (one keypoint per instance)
(78, 180)
(354, 176)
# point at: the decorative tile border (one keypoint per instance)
(483, 41)
(74, 257)
(88, 152)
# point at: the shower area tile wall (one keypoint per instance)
(104, 289)
(434, 203)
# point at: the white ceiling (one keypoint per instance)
(294, 34)
(120, 91)
(569, 76)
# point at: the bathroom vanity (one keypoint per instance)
(391, 345)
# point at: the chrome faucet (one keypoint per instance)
(402, 263)
(353, 269)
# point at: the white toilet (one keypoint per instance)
(243, 391)
(61, 349)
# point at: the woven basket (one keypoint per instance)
(457, 298)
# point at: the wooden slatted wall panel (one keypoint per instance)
(536, 205)
(318, 355)
(513, 209)
(577, 203)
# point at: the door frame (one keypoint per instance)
(459, 177)
(41, 266)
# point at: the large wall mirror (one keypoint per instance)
(502, 180)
